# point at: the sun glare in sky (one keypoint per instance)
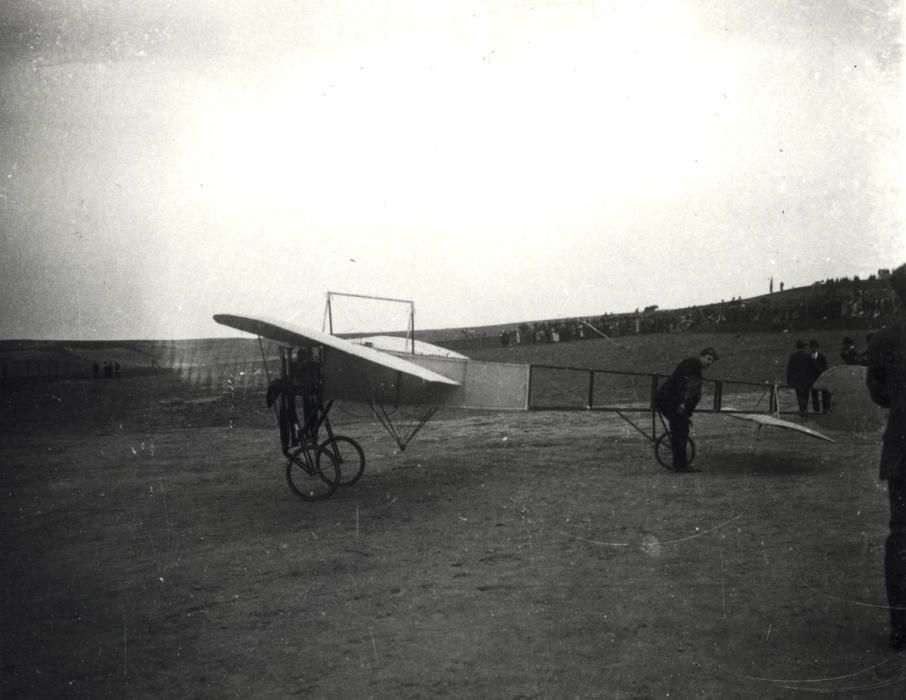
(493, 161)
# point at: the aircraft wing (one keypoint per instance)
(398, 345)
(304, 337)
(764, 419)
(850, 407)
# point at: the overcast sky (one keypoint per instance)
(493, 161)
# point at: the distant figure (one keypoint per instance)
(108, 369)
(677, 398)
(96, 369)
(116, 369)
(886, 379)
(800, 374)
(848, 352)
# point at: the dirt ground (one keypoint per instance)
(151, 548)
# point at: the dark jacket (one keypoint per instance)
(682, 390)
(886, 379)
(850, 355)
(819, 363)
(800, 370)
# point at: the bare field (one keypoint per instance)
(152, 549)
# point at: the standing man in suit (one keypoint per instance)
(886, 379)
(800, 374)
(819, 365)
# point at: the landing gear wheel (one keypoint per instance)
(349, 456)
(312, 477)
(664, 452)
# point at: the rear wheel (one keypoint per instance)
(312, 477)
(664, 452)
(349, 456)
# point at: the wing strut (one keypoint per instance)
(402, 435)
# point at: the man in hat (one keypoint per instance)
(886, 379)
(848, 352)
(819, 365)
(677, 398)
(800, 374)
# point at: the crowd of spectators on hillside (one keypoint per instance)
(825, 300)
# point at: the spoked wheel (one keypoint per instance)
(349, 456)
(664, 452)
(312, 477)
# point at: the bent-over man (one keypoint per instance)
(677, 398)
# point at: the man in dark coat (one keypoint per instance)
(304, 379)
(800, 374)
(886, 378)
(677, 398)
(819, 366)
(848, 352)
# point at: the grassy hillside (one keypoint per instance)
(28, 359)
(756, 357)
(832, 305)
(754, 337)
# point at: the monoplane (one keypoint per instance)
(386, 371)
